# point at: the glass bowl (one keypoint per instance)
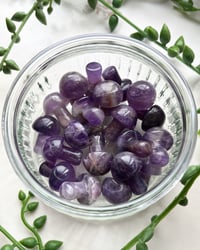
(134, 60)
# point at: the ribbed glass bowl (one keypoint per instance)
(134, 60)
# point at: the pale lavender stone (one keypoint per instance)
(85, 191)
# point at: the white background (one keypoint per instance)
(181, 229)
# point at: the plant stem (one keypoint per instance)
(27, 225)
(13, 40)
(164, 213)
(119, 14)
(11, 238)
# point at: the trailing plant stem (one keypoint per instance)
(11, 238)
(177, 57)
(120, 15)
(13, 40)
(164, 213)
(28, 226)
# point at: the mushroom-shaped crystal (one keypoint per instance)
(55, 104)
(86, 191)
(94, 71)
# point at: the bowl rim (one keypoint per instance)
(84, 211)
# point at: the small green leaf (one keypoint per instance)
(137, 35)
(30, 194)
(53, 245)
(148, 234)
(198, 111)
(6, 70)
(113, 21)
(173, 51)
(32, 206)
(92, 4)
(151, 33)
(10, 25)
(21, 195)
(45, 2)
(7, 247)
(57, 1)
(141, 246)
(11, 65)
(29, 242)
(185, 4)
(188, 55)
(117, 3)
(180, 42)
(165, 35)
(183, 202)
(192, 171)
(2, 51)
(49, 10)
(198, 133)
(40, 221)
(39, 13)
(19, 16)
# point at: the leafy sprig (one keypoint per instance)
(179, 49)
(185, 5)
(16, 23)
(35, 240)
(141, 239)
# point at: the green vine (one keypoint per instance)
(185, 6)
(141, 239)
(179, 50)
(7, 65)
(34, 241)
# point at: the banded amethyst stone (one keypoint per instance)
(73, 85)
(107, 94)
(123, 117)
(125, 165)
(114, 192)
(76, 135)
(63, 171)
(97, 162)
(159, 136)
(46, 125)
(111, 73)
(141, 95)
(94, 116)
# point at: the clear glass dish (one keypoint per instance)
(134, 60)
